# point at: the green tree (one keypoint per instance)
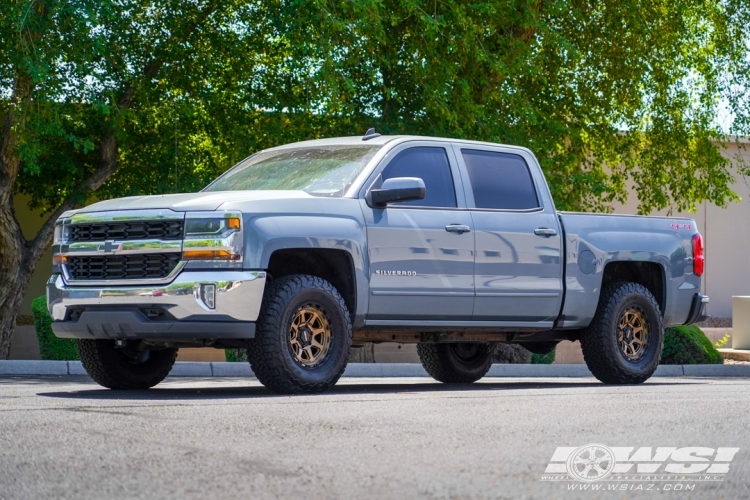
(84, 82)
(154, 96)
(602, 91)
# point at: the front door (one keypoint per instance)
(421, 252)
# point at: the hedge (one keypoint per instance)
(688, 345)
(50, 347)
(543, 359)
(236, 355)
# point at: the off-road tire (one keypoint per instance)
(269, 353)
(599, 341)
(444, 365)
(111, 368)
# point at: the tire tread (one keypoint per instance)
(600, 353)
(434, 359)
(265, 352)
(94, 353)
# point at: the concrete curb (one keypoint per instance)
(33, 367)
(377, 370)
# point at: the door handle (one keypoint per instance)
(457, 228)
(545, 232)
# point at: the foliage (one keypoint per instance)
(543, 359)
(688, 345)
(142, 97)
(50, 347)
(236, 355)
(215, 81)
(511, 354)
(604, 92)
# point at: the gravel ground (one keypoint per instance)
(367, 438)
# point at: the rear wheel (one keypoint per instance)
(124, 367)
(624, 341)
(456, 363)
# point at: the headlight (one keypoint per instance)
(211, 227)
(57, 241)
(58, 234)
(212, 238)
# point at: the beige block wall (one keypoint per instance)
(726, 233)
(31, 222)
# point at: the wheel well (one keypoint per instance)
(334, 266)
(648, 274)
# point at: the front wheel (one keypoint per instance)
(303, 336)
(123, 367)
(624, 341)
(456, 363)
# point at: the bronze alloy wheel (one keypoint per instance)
(623, 343)
(632, 334)
(310, 335)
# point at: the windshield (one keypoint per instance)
(319, 170)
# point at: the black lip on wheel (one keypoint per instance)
(600, 343)
(269, 353)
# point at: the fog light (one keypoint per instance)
(208, 295)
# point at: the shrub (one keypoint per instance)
(50, 347)
(236, 355)
(511, 354)
(543, 359)
(688, 345)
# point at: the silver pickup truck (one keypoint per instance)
(301, 252)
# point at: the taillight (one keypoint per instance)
(699, 261)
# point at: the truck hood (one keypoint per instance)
(189, 201)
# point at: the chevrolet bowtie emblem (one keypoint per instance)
(108, 247)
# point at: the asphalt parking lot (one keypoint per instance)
(65, 437)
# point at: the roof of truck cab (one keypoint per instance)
(383, 140)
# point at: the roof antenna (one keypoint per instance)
(370, 134)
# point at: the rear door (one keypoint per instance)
(421, 252)
(517, 271)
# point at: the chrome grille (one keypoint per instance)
(122, 267)
(123, 231)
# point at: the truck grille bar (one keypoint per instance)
(123, 231)
(122, 267)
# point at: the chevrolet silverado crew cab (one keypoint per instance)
(303, 251)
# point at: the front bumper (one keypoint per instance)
(171, 311)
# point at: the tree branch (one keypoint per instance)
(11, 235)
(108, 150)
(154, 66)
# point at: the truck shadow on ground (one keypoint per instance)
(239, 391)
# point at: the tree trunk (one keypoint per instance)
(14, 280)
(14, 275)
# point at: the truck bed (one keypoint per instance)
(659, 246)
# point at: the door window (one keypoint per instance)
(432, 166)
(500, 180)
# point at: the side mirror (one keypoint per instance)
(397, 189)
